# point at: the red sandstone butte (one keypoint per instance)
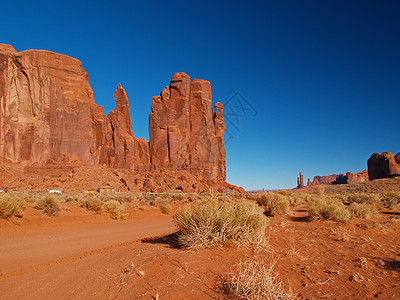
(184, 133)
(349, 178)
(383, 165)
(357, 177)
(48, 115)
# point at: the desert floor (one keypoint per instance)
(81, 255)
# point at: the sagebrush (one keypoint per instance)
(115, 209)
(48, 204)
(256, 280)
(11, 206)
(328, 208)
(212, 222)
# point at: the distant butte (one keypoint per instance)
(48, 116)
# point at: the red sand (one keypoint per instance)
(79, 255)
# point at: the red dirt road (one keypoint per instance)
(46, 243)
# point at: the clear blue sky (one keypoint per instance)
(323, 76)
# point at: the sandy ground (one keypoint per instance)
(79, 255)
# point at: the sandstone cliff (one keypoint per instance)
(48, 115)
(383, 165)
(334, 179)
(184, 133)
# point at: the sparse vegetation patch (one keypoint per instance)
(391, 199)
(166, 208)
(48, 204)
(328, 208)
(92, 203)
(11, 206)
(213, 222)
(115, 209)
(253, 279)
(362, 210)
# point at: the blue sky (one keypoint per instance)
(322, 76)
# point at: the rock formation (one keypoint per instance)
(48, 115)
(300, 181)
(329, 179)
(357, 177)
(383, 165)
(334, 179)
(184, 133)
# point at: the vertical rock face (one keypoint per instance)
(120, 149)
(329, 179)
(357, 177)
(158, 130)
(383, 165)
(45, 107)
(184, 133)
(334, 179)
(48, 115)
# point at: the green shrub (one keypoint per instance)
(92, 203)
(362, 210)
(115, 209)
(213, 222)
(328, 208)
(11, 206)
(48, 205)
(391, 199)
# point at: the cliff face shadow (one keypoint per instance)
(170, 240)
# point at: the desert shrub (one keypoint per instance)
(115, 209)
(368, 198)
(328, 208)
(213, 222)
(11, 206)
(148, 197)
(391, 199)
(178, 197)
(274, 203)
(70, 199)
(362, 210)
(123, 198)
(285, 192)
(166, 208)
(320, 190)
(255, 280)
(165, 196)
(92, 203)
(48, 205)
